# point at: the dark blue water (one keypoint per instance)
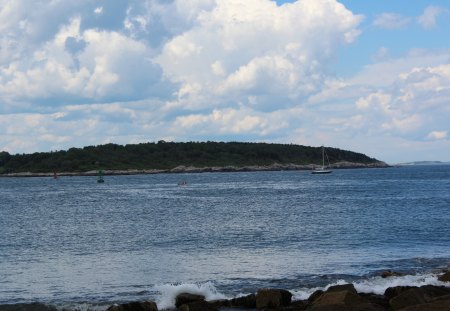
(82, 245)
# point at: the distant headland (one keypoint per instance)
(177, 157)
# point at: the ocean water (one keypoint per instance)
(80, 245)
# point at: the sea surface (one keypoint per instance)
(80, 245)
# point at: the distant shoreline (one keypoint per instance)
(192, 169)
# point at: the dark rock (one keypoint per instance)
(337, 298)
(221, 303)
(392, 292)
(389, 273)
(199, 305)
(438, 304)
(315, 295)
(135, 306)
(248, 302)
(268, 298)
(418, 295)
(185, 298)
(380, 300)
(445, 277)
(345, 287)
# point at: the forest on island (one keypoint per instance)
(168, 155)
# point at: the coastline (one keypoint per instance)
(340, 296)
(212, 169)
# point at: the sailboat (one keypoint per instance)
(323, 169)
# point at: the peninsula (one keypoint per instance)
(163, 157)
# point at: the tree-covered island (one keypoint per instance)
(179, 157)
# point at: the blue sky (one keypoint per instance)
(368, 76)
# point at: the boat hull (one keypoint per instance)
(321, 172)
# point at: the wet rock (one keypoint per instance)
(135, 306)
(345, 287)
(392, 292)
(339, 298)
(248, 302)
(185, 298)
(437, 304)
(268, 298)
(315, 295)
(417, 296)
(199, 305)
(445, 277)
(390, 273)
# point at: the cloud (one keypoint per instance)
(415, 104)
(437, 135)
(428, 19)
(391, 21)
(256, 52)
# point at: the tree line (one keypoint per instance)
(168, 155)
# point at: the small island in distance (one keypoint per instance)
(176, 157)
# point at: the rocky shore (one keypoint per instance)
(335, 298)
(192, 169)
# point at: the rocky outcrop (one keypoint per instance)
(335, 298)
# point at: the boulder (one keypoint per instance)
(248, 302)
(389, 273)
(392, 292)
(339, 298)
(135, 306)
(185, 298)
(437, 304)
(339, 288)
(417, 296)
(268, 298)
(445, 277)
(199, 305)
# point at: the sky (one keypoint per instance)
(368, 76)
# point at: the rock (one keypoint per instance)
(248, 302)
(389, 273)
(221, 303)
(418, 295)
(135, 306)
(315, 295)
(392, 292)
(345, 287)
(445, 277)
(338, 299)
(437, 304)
(199, 305)
(185, 298)
(272, 298)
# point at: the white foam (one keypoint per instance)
(169, 292)
(378, 285)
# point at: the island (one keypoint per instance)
(177, 157)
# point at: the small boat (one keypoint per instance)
(323, 169)
(100, 177)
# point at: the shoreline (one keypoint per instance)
(341, 296)
(210, 169)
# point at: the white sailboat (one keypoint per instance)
(323, 169)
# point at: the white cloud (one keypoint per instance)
(428, 19)
(391, 21)
(438, 135)
(257, 52)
